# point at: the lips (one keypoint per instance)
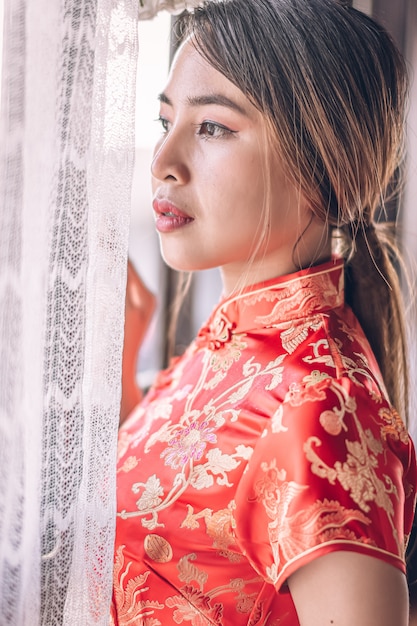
(169, 217)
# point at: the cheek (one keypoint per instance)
(242, 180)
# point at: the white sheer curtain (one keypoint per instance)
(67, 153)
(66, 150)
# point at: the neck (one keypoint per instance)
(313, 247)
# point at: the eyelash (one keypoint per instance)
(212, 130)
(207, 129)
(164, 123)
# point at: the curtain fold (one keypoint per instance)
(20, 429)
(67, 149)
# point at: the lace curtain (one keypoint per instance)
(66, 150)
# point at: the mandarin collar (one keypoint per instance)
(311, 291)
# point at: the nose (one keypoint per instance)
(169, 161)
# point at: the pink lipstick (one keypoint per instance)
(169, 217)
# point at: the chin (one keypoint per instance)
(182, 261)
(179, 265)
(182, 265)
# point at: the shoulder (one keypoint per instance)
(332, 472)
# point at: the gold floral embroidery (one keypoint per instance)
(393, 425)
(315, 378)
(130, 608)
(276, 421)
(356, 371)
(148, 503)
(291, 300)
(188, 572)
(294, 336)
(130, 463)
(195, 607)
(290, 536)
(298, 394)
(158, 548)
(321, 522)
(276, 370)
(219, 526)
(218, 333)
(163, 434)
(185, 427)
(188, 443)
(151, 496)
(332, 422)
(276, 495)
(220, 465)
(230, 352)
(215, 380)
(358, 473)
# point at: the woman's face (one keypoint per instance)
(209, 180)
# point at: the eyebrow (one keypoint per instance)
(206, 99)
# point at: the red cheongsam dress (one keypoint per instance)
(269, 443)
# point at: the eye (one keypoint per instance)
(213, 129)
(164, 123)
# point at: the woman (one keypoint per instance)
(266, 477)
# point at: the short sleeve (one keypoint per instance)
(333, 470)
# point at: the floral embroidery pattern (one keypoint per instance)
(151, 495)
(189, 572)
(218, 465)
(276, 495)
(296, 302)
(217, 334)
(219, 525)
(393, 425)
(295, 335)
(268, 439)
(358, 473)
(194, 607)
(199, 607)
(291, 535)
(188, 444)
(299, 393)
(130, 463)
(131, 608)
(230, 353)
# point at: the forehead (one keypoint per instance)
(193, 80)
